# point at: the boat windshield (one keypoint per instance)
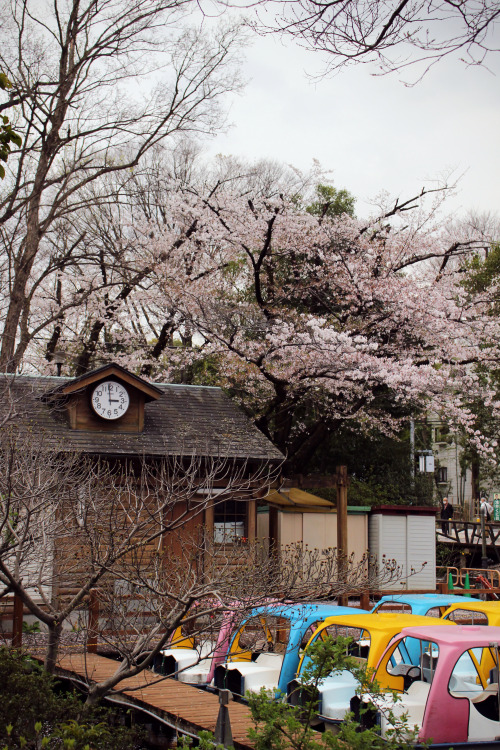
(408, 652)
(467, 617)
(265, 633)
(397, 607)
(197, 632)
(309, 634)
(360, 638)
(465, 678)
(201, 628)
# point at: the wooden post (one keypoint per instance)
(209, 522)
(273, 531)
(223, 733)
(252, 520)
(93, 628)
(342, 541)
(365, 600)
(208, 541)
(17, 622)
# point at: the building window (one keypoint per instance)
(442, 434)
(230, 522)
(442, 475)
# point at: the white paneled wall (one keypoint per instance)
(410, 540)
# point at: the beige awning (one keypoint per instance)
(295, 500)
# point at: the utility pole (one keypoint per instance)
(342, 541)
(412, 448)
(484, 556)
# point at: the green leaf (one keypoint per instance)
(4, 82)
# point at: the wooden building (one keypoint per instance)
(293, 516)
(112, 414)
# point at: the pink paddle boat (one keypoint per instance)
(451, 697)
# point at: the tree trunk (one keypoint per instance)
(55, 630)
(8, 361)
(300, 454)
(96, 692)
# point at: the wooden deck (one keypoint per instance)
(186, 708)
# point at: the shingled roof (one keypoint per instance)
(183, 421)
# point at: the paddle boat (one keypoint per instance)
(451, 697)
(470, 612)
(197, 646)
(370, 634)
(265, 651)
(430, 605)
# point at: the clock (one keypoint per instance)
(110, 400)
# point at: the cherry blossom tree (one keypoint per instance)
(115, 268)
(311, 321)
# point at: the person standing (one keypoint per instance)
(446, 514)
(486, 508)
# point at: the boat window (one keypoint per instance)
(309, 633)
(428, 659)
(398, 657)
(397, 607)
(465, 679)
(435, 612)
(200, 630)
(360, 645)
(413, 659)
(467, 617)
(265, 633)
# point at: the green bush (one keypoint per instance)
(36, 712)
(279, 726)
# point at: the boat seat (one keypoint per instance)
(412, 705)
(269, 660)
(464, 686)
(359, 649)
(409, 672)
(486, 702)
(461, 686)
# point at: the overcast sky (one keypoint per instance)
(372, 132)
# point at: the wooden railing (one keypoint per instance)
(12, 610)
(468, 534)
(94, 619)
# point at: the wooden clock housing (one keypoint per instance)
(75, 398)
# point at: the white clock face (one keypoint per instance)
(110, 400)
